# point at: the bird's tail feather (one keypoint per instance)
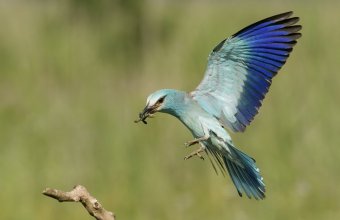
(241, 168)
(244, 174)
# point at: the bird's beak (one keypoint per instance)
(147, 112)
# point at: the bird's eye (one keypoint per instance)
(161, 100)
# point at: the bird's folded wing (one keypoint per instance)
(240, 69)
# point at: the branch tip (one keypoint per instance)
(80, 194)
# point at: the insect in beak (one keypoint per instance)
(148, 112)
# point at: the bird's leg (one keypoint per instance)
(196, 141)
(196, 153)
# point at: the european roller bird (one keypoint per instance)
(238, 75)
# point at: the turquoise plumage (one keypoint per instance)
(238, 75)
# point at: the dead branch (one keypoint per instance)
(80, 194)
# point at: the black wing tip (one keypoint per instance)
(288, 21)
(219, 46)
(294, 36)
(283, 17)
(292, 28)
(280, 16)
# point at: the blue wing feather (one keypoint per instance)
(265, 63)
(272, 57)
(278, 46)
(269, 51)
(268, 74)
(240, 69)
(275, 33)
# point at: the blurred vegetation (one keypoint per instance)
(75, 74)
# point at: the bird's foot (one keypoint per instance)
(195, 153)
(196, 141)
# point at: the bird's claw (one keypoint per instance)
(195, 153)
(196, 141)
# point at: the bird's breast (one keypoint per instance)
(193, 123)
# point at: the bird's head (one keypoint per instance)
(159, 101)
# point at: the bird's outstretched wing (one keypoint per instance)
(240, 69)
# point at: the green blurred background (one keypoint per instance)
(75, 74)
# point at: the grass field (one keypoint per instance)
(75, 74)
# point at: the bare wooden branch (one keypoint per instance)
(80, 194)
